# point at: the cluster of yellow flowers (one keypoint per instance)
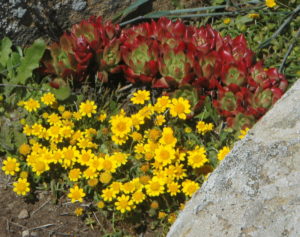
(126, 160)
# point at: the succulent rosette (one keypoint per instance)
(140, 59)
(175, 66)
(90, 46)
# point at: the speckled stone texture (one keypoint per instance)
(255, 191)
(26, 20)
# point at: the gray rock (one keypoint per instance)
(78, 5)
(256, 189)
(25, 233)
(23, 214)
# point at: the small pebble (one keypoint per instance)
(23, 214)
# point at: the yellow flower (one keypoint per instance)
(87, 108)
(270, 3)
(100, 204)
(31, 105)
(108, 194)
(90, 173)
(102, 116)
(24, 149)
(48, 98)
(21, 187)
(61, 108)
(53, 119)
(137, 120)
(128, 187)
(105, 177)
(124, 204)
(92, 182)
(116, 187)
(253, 15)
(160, 120)
(140, 97)
(173, 188)
(187, 130)
(136, 136)
(243, 133)
(24, 175)
(226, 21)
(77, 115)
(162, 104)
(164, 154)
(85, 157)
(76, 194)
(203, 127)
(39, 167)
(78, 211)
(154, 205)
(120, 125)
(138, 197)
(161, 215)
(154, 188)
(223, 152)
(180, 108)
(189, 187)
(67, 114)
(153, 134)
(144, 179)
(11, 166)
(74, 174)
(197, 157)
(167, 137)
(172, 218)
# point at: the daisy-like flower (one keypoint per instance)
(124, 204)
(271, 3)
(48, 98)
(189, 187)
(164, 154)
(162, 104)
(76, 194)
(87, 108)
(78, 211)
(167, 137)
(24, 149)
(108, 194)
(180, 108)
(120, 125)
(223, 152)
(11, 166)
(105, 177)
(203, 127)
(154, 188)
(173, 188)
(140, 97)
(128, 187)
(138, 197)
(243, 133)
(21, 187)
(31, 105)
(160, 120)
(74, 174)
(197, 157)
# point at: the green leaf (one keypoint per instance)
(62, 93)
(5, 50)
(31, 60)
(130, 9)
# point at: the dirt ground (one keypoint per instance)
(45, 217)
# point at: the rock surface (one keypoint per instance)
(256, 189)
(26, 20)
